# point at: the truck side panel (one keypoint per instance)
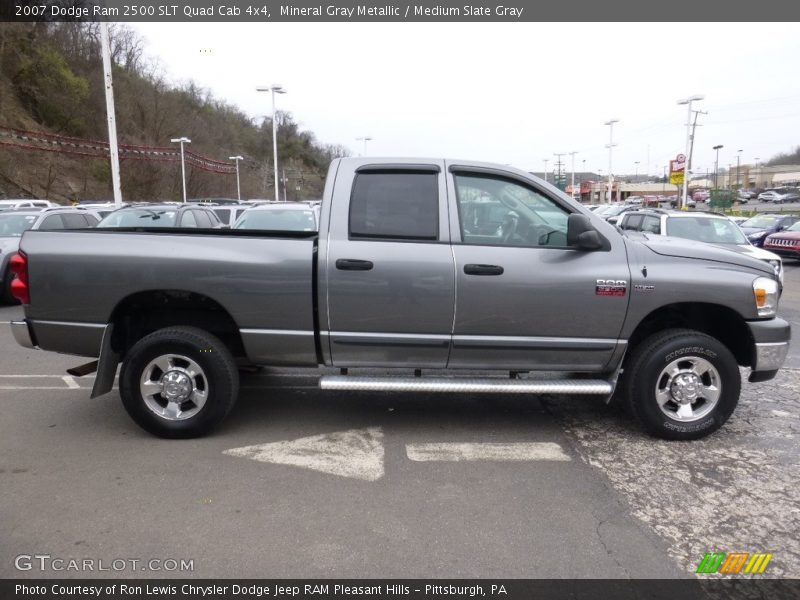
(265, 285)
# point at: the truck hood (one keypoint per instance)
(679, 247)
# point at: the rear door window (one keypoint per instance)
(74, 221)
(395, 205)
(52, 222)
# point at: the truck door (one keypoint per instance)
(525, 300)
(389, 270)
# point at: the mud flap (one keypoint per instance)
(106, 365)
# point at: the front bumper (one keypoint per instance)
(770, 356)
(771, 346)
(22, 334)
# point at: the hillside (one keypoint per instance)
(51, 83)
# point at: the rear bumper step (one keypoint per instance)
(599, 387)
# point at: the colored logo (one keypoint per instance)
(734, 563)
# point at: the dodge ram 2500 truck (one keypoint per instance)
(431, 268)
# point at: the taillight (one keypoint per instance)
(19, 286)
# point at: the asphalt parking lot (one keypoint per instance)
(305, 483)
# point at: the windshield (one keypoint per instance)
(277, 220)
(14, 225)
(761, 221)
(140, 217)
(700, 229)
(795, 227)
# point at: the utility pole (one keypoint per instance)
(558, 165)
(689, 140)
(572, 184)
(688, 171)
(113, 148)
(610, 146)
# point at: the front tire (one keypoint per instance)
(681, 384)
(178, 382)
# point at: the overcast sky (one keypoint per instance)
(512, 93)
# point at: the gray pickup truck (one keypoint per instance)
(434, 269)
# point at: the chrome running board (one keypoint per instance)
(599, 387)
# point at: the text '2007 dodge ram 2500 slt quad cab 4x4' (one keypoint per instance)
(436, 265)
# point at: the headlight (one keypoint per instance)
(765, 292)
(777, 267)
(757, 235)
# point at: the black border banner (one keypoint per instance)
(464, 11)
(398, 589)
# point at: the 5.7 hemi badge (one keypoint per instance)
(611, 287)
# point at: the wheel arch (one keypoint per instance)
(718, 321)
(144, 312)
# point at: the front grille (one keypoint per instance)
(786, 243)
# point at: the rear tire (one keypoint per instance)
(179, 382)
(681, 384)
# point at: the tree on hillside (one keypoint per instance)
(786, 158)
(51, 76)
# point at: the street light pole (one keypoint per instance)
(738, 157)
(546, 160)
(688, 101)
(610, 146)
(238, 188)
(716, 165)
(182, 141)
(635, 177)
(275, 89)
(365, 139)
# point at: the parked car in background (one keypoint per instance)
(613, 212)
(22, 203)
(101, 209)
(701, 195)
(280, 216)
(15, 222)
(229, 213)
(759, 227)
(708, 228)
(744, 196)
(786, 243)
(215, 200)
(634, 200)
(780, 195)
(162, 215)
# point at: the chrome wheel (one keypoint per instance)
(688, 389)
(174, 387)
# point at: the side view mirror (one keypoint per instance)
(582, 234)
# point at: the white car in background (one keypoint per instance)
(22, 203)
(707, 228)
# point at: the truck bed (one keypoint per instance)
(264, 280)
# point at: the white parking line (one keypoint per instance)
(456, 452)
